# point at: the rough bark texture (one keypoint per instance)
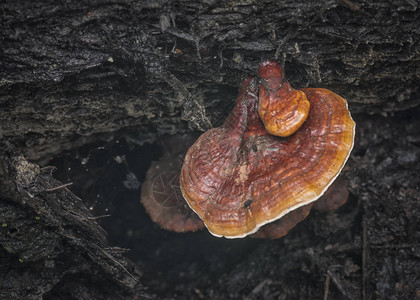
(121, 73)
(81, 68)
(50, 243)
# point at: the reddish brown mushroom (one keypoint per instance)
(282, 108)
(336, 195)
(282, 226)
(163, 201)
(238, 177)
(161, 195)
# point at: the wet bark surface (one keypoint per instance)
(70, 71)
(86, 85)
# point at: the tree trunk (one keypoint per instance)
(70, 71)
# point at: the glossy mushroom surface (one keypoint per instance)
(282, 108)
(161, 195)
(238, 177)
(336, 195)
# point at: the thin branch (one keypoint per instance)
(58, 187)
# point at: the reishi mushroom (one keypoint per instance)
(282, 226)
(239, 177)
(161, 195)
(282, 109)
(334, 197)
(162, 198)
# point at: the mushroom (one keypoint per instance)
(161, 195)
(282, 226)
(281, 108)
(162, 199)
(335, 196)
(238, 177)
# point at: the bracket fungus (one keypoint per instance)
(282, 108)
(239, 176)
(161, 195)
(334, 197)
(282, 226)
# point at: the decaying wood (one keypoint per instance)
(79, 72)
(47, 235)
(72, 70)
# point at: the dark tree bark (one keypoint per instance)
(79, 72)
(50, 243)
(84, 68)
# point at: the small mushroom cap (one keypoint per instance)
(281, 108)
(237, 177)
(161, 195)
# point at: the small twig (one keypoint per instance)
(98, 217)
(116, 262)
(338, 285)
(199, 293)
(187, 100)
(58, 187)
(257, 289)
(174, 83)
(327, 286)
(29, 194)
(220, 54)
(104, 252)
(333, 277)
(48, 168)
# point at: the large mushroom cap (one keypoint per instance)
(237, 177)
